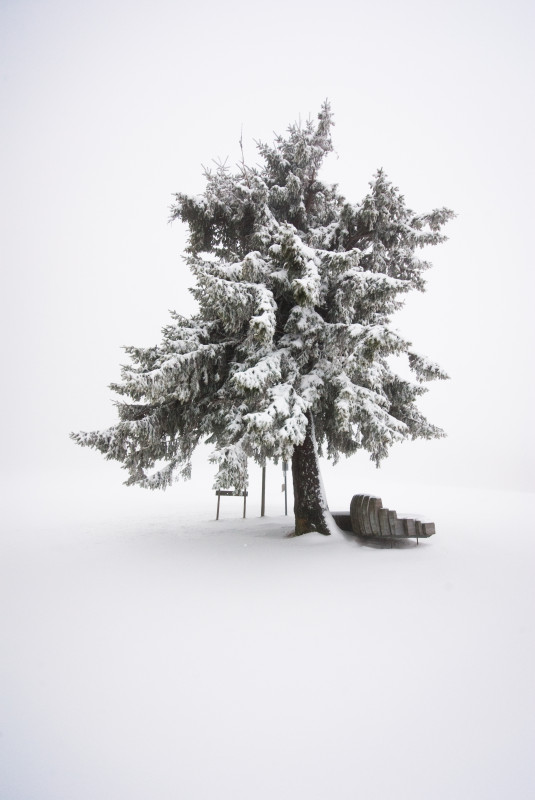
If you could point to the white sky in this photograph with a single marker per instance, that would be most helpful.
(110, 107)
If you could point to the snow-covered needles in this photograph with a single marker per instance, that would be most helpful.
(296, 287)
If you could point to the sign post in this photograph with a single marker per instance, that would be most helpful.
(263, 502)
(285, 486)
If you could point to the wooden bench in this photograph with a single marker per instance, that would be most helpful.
(368, 518)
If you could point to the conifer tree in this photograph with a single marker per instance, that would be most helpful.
(288, 354)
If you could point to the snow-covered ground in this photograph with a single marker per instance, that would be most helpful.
(151, 652)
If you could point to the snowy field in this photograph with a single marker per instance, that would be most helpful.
(151, 652)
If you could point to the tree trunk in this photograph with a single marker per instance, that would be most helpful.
(310, 507)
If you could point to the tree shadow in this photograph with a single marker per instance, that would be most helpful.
(379, 543)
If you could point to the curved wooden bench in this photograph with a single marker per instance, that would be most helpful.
(368, 518)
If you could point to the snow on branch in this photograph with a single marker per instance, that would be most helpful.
(263, 322)
(179, 375)
(306, 289)
(232, 468)
(266, 372)
(282, 423)
(365, 413)
(425, 369)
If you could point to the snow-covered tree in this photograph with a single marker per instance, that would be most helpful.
(288, 354)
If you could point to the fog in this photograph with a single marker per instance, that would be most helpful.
(150, 651)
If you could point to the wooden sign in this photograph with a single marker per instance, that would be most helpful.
(231, 493)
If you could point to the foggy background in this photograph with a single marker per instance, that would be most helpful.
(109, 108)
(147, 650)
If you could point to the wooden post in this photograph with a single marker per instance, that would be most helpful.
(263, 503)
(218, 501)
(285, 470)
(244, 502)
